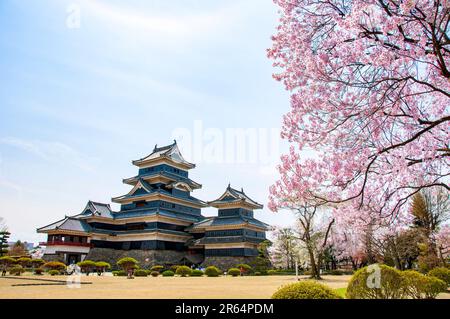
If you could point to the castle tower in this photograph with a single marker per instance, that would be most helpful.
(233, 236)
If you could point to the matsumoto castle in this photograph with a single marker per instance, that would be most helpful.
(159, 222)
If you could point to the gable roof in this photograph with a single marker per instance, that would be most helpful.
(68, 223)
(232, 195)
(97, 209)
(170, 152)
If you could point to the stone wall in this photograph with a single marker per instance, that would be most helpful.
(225, 263)
(53, 257)
(146, 258)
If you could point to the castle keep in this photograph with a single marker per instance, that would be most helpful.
(160, 222)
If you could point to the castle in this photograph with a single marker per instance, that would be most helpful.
(159, 222)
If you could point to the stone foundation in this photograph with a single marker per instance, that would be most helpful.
(225, 263)
(146, 258)
(53, 257)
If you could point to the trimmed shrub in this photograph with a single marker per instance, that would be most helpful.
(24, 262)
(441, 273)
(36, 263)
(53, 272)
(168, 273)
(305, 290)
(419, 286)
(16, 270)
(174, 268)
(197, 273)
(212, 271)
(244, 268)
(257, 273)
(271, 272)
(234, 272)
(157, 268)
(154, 273)
(119, 273)
(38, 271)
(102, 266)
(365, 285)
(184, 271)
(141, 273)
(127, 263)
(433, 287)
(87, 266)
(55, 265)
(6, 260)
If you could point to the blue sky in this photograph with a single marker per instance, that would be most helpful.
(79, 103)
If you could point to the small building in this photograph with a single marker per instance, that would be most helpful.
(159, 221)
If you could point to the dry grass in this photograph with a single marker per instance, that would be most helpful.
(160, 287)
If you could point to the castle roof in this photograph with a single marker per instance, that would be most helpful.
(169, 176)
(226, 221)
(97, 209)
(144, 189)
(233, 196)
(170, 152)
(69, 223)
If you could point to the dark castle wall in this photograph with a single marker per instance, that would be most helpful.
(146, 258)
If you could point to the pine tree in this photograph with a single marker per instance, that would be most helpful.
(4, 235)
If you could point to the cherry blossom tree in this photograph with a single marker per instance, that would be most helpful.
(370, 97)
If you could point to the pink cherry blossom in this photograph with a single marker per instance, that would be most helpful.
(370, 95)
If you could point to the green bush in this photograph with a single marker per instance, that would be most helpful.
(257, 273)
(86, 266)
(157, 268)
(54, 272)
(433, 287)
(271, 272)
(184, 271)
(391, 284)
(441, 273)
(234, 272)
(141, 273)
(38, 271)
(197, 273)
(154, 273)
(305, 290)
(119, 273)
(16, 270)
(36, 263)
(6, 260)
(168, 273)
(127, 263)
(55, 265)
(419, 286)
(212, 271)
(24, 261)
(102, 266)
(244, 267)
(174, 268)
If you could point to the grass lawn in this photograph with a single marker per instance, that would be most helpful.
(159, 287)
